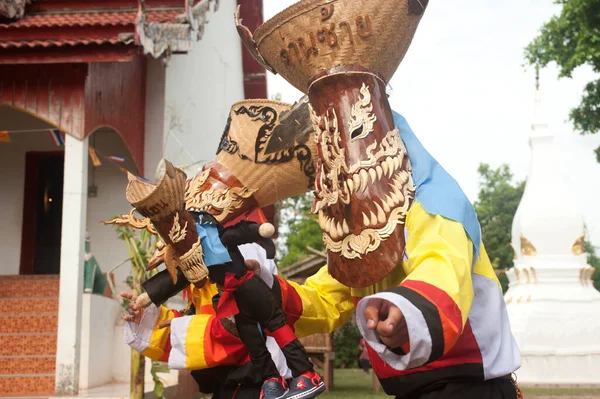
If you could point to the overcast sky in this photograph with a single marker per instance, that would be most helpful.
(466, 93)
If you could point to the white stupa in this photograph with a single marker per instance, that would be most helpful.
(553, 307)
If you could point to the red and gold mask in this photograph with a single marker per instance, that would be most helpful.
(363, 186)
(342, 52)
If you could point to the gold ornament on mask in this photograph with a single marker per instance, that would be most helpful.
(334, 163)
(337, 182)
(219, 202)
(133, 221)
(177, 234)
(362, 119)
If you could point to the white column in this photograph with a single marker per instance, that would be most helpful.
(71, 266)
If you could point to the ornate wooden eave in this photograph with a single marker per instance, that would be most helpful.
(161, 39)
(67, 31)
(13, 9)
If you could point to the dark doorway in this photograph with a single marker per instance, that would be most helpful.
(42, 213)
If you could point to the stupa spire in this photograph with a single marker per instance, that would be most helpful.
(539, 126)
(551, 296)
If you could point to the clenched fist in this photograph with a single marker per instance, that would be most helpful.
(387, 321)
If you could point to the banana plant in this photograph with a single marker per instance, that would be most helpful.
(140, 246)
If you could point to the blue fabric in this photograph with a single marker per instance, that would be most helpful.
(214, 252)
(436, 190)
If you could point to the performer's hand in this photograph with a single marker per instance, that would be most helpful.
(387, 321)
(252, 265)
(135, 312)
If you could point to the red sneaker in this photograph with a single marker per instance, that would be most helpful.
(273, 388)
(307, 385)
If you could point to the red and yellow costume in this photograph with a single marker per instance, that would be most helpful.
(454, 310)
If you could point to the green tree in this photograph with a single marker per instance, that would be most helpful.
(496, 206)
(303, 227)
(594, 261)
(345, 342)
(572, 39)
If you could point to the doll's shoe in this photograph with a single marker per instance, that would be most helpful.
(307, 385)
(273, 388)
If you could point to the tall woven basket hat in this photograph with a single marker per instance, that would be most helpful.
(157, 201)
(270, 148)
(313, 36)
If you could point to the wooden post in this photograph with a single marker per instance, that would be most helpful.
(328, 366)
(329, 363)
(187, 388)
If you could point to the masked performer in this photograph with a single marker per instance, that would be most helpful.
(398, 230)
(403, 241)
(196, 246)
(450, 332)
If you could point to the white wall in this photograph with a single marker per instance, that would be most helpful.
(201, 86)
(12, 180)
(111, 182)
(105, 358)
(98, 342)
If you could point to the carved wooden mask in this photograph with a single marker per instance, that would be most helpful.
(363, 185)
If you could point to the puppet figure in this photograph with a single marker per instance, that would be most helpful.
(196, 246)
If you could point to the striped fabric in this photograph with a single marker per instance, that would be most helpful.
(453, 305)
(145, 337)
(199, 341)
(454, 309)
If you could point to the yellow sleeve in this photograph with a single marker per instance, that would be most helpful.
(320, 305)
(437, 294)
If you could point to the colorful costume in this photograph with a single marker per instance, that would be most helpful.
(395, 225)
(195, 245)
(450, 296)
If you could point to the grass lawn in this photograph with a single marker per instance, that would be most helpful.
(355, 384)
(352, 383)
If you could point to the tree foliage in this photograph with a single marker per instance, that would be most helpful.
(345, 342)
(594, 261)
(572, 39)
(496, 206)
(303, 227)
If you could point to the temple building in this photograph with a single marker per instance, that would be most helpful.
(552, 303)
(90, 89)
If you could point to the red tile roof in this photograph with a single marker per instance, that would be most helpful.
(64, 29)
(57, 43)
(90, 19)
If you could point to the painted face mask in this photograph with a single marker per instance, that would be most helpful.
(363, 186)
(341, 53)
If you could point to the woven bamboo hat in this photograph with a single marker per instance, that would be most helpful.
(156, 201)
(312, 36)
(266, 154)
